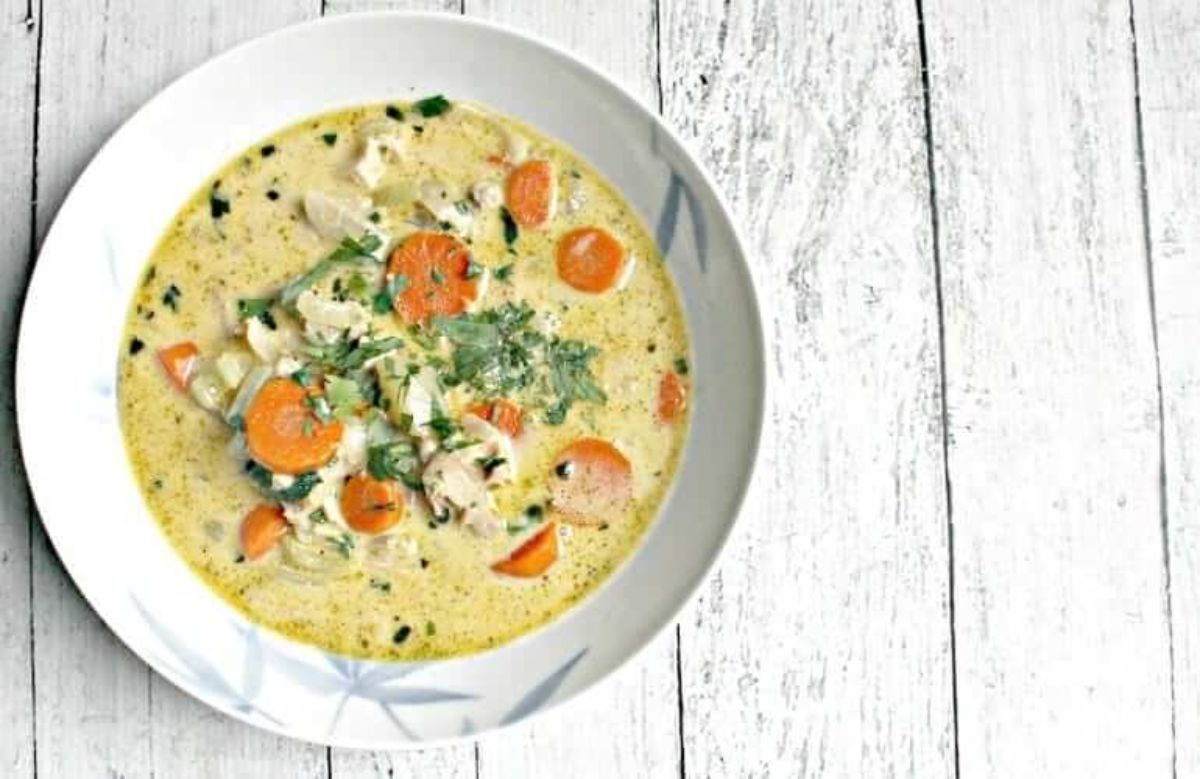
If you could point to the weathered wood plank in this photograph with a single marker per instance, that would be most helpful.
(1060, 611)
(629, 726)
(19, 31)
(1168, 46)
(100, 711)
(822, 648)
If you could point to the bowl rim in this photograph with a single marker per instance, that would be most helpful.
(740, 260)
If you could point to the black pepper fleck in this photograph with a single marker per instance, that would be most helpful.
(267, 150)
(136, 345)
(272, 194)
(402, 634)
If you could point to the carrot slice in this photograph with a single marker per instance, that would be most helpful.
(533, 557)
(672, 397)
(436, 266)
(178, 360)
(261, 530)
(590, 259)
(503, 414)
(282, 432)
(529, 193)
(371, 505)
(591, 483)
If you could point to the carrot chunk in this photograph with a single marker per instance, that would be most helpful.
(261, 530)
(672, 397)
(590, 259)
(503, 414)
(178, 360)
(529, 193)
(436, 267)
(284, 434)
(532, 558)
(591, 482)
(371, 505)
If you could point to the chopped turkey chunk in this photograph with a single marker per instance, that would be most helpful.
(336, 218)
(326, 320)
(439, 200)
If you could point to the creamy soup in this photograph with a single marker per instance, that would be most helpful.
(405, 381)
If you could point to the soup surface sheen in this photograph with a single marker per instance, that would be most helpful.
(580, 336)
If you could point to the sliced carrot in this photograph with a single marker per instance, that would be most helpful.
(436, 266)
(533, 557)
(591, 482)
(284, 434)
(178, 360)
(371, 505)
(529, 193)
(261, 529)
(590, 259)
(672, 397)
(504, 415)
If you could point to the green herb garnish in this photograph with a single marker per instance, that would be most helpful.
(681, 366)
(349, 252)
(267, 150)
(510, 226)
(171, 297)
(344, 396)
(346, 356)
(396, 460)
(432, 106)
(381, 584)
(136, 345)
(344, 544)
(402, 634)
(503, 273)
(329, 138)
(297, 490)
(257, 308)
(474, 270)
(218, 204)
(394, 113)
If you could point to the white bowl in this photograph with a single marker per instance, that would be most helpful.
(91, 261)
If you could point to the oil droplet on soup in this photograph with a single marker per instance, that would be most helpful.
(368, 405)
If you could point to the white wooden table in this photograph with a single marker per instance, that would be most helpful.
(973, 546)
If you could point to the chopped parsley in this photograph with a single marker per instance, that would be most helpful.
(401, 635)
(297, 490)
(318, 517)
(394, 113)
(396, 460)
(344, 544)
(218, 204)
(510, 227)
(503, 273)
(497, 352)
(272, 194)
(437, 276)
(257, 308)
(349, 252)
(305, 377)
(681, 366)
(474, 270)
(430, 628)
(383, 585)
(171, 297)
(267, 150)
(374, 216)
(136, 345)
(489, 464)
(435, 105)
(329, 138)
(534, 512)
(343, 395)
(385, 298)
(347, 356)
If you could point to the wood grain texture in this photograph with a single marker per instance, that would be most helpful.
(822, 648)
(19, 30)
(628, 726)
(1060, 611)
(1168, 45)
(100, 711)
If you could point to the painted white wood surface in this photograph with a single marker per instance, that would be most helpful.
(18, 63)
(823, 646)
(1060, 609)
(1168, 45)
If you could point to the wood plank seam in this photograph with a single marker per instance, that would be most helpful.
(30, 24)
(1164, 513)
(934, 227)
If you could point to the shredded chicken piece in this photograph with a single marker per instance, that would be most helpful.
(487, 194)
(326, 319)
(337, 218)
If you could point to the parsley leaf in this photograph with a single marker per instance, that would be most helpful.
(257, 308)
(395, 460)
(350, 252)
(346, 356)
(435, 105)
(218, 204)
(297, 490)
(510, 226)
(171, 297)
